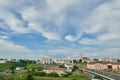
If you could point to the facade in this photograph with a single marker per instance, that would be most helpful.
(45, 60)
(63, 61)
(3, 61)
(56, 70)
(104, 66)
(109, 60)
(19, 68)
(69, 67)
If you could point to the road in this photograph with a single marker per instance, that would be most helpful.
(108, 74)
(116, 77)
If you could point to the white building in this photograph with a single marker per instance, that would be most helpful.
(104, 66)
(69, 67)
(109, 60)
(45, 60)
(56, 70)
(19, 68)
(63, 61)
(3, 61)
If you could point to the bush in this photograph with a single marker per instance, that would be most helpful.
(42, 74)
(53, 74)
(29, 77)
(75, 68)
(39, 73)
(62, 66)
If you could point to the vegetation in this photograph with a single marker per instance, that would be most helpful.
(34, 72)
(29, 77)
(53, 74)
(75, 68)
(5, 66)
(62, 66)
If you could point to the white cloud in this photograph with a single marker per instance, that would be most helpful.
(87, 41)
(4, 37)
(47, 34)
(11, 50)
(103, 22)
(109, 52)
(71, 38)
(9, 46)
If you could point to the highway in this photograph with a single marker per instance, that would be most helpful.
(114, 76)
(104, 74)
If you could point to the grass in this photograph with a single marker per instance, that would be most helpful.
(20, 75)
(29, 66)
(5, 66)
(78, 75)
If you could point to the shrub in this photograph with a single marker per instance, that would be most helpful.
(29, 77)
(39, 73)
(53, 74)
(62, 66)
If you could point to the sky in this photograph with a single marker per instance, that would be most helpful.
(61, 29)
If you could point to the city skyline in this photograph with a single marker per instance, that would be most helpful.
(59, 28)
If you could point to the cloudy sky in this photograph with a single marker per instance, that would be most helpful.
(59, 28)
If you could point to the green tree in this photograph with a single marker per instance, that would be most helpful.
(74, 61)
(12, 68)
(40, 68)
(29, 77)
(53, 74)
(42, 74)
(96, 60)
(62, 66)
(75, 68)
(39, 73)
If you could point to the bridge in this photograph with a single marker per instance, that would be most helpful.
(105, 75)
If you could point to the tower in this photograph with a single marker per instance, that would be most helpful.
(81, 57)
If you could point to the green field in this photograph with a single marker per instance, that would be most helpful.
(5, 66)
(78, 75)
(21, 75)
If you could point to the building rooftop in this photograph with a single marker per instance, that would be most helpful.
(104, 63)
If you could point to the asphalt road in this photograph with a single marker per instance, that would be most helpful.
(114, 76)
(108, 74)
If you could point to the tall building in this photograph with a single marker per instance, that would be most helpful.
(81, 57)
(45, 60)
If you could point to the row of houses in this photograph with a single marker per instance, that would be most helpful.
(48, 60)
(68, 68)
(67, 63)
(104, 66)
(56, 70)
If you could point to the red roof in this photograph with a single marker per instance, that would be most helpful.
(85, 58)
(61, 69)
(63, 60)
(104, 63)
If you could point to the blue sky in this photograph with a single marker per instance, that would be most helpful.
(59, 28)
